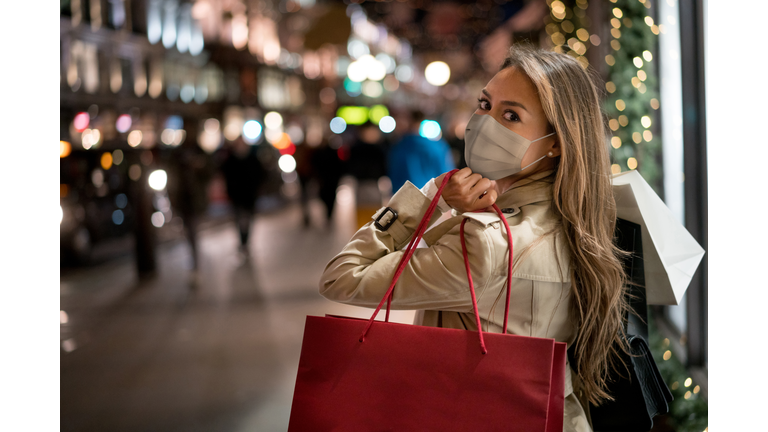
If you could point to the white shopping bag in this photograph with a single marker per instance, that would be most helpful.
(670, 253)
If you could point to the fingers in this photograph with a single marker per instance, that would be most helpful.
(486, 200)
(481, 186)
(461, 175)
(468, 191)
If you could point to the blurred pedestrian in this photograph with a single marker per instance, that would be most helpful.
(189, 172)
(418, 159)
(306, 173)
(367, 163)
(367, 157)
(244, 175)
(327, 169)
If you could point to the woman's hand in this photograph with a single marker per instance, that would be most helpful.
(468, 192)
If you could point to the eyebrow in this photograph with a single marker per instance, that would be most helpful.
(512, 103)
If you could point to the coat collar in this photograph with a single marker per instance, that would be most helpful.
(533, 189)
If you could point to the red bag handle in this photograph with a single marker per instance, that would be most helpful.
(411, 248)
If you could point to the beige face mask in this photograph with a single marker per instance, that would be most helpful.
(494, 151)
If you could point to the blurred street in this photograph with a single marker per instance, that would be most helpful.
(168, 354)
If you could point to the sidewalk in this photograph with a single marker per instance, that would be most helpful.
(218, 355)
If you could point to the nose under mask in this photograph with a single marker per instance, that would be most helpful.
(494, 151)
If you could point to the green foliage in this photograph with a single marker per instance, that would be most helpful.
(636, 39)
(685, 415)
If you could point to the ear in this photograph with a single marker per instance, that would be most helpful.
(554, 148)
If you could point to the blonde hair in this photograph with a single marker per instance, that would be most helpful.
(584, 200)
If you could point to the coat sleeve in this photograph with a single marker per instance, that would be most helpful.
(434, 278)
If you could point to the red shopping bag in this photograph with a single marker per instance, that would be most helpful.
(357, 375)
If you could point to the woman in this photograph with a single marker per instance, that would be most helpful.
(535, 147)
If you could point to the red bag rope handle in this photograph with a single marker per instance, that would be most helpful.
(410, 249)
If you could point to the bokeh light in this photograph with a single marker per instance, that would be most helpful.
(123, 123)
(437, 73)
(118, 217)
(338, 125)
(355, 115)
(158, 220)
(81, 122)
(252, 130)
(117, 157)
(404, 73)
(287, 163)
(211, 125)
(65, 148)
(377, 112)
(273, 120)
(135, 137)
(372, 89)
(430, 129)
(158, 179)
(106, 160)
(90, 138)
(387, 124)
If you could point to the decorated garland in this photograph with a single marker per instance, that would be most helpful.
(631, 85)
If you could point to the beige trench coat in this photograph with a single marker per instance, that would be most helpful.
(435, 279)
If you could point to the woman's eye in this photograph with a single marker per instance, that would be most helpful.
(483, 104)
(511, 116)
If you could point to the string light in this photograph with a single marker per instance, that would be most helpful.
(637, 138)
(647, 55)
(620, 105)
(616, 142)
(647, 136)
(623, 120)
(632, 163)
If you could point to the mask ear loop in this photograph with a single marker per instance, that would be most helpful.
(537, 160)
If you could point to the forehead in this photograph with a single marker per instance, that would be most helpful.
(513, 85)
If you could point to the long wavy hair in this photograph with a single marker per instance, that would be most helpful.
(584, 200)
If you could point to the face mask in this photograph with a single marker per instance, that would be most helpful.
(494, 151)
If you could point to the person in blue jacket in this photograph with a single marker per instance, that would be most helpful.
(416, 158)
